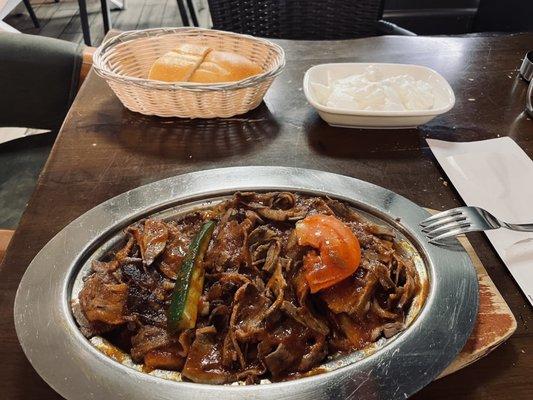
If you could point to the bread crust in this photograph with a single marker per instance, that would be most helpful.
(201, 64)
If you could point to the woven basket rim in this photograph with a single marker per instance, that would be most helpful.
(102, 69)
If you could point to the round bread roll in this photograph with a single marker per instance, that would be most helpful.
(201, 64)
(179, 64)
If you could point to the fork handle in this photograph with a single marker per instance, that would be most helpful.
(519, 227)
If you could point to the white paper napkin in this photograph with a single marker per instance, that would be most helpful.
(496, 175)
(8, 134)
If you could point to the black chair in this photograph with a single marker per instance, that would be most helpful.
(504, 16)
(303, 19)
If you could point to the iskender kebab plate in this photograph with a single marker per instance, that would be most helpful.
(256, 282)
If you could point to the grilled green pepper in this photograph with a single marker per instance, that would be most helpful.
(190, 282)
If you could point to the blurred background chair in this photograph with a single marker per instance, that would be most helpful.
(351, 18)
(504, 16)
(303, 19)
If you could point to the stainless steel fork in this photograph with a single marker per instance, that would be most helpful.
(463, 220)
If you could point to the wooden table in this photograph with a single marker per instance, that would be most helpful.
(103, 150)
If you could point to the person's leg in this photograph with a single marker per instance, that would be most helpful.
(38, 79)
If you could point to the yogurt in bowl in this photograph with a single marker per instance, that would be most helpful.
(367, 95)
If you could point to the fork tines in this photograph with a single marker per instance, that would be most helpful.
(445, 224)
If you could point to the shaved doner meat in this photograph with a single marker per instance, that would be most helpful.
(260, 286)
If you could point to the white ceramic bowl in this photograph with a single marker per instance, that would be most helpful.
(444, 97)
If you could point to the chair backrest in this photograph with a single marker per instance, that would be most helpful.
(298, 19)
(504, 16)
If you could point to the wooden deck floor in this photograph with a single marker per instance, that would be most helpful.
(61, 20)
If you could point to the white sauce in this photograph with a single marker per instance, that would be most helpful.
(373, 91)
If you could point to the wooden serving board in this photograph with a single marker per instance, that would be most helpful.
(495, 321)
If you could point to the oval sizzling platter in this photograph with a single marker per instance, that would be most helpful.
(394, 368)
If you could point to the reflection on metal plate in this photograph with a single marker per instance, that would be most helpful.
(77, 368)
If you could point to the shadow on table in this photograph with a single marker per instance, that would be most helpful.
(197, 139)
(472, 380)
(361, 143)
(23, 380)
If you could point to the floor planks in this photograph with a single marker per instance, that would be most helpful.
(61, 20)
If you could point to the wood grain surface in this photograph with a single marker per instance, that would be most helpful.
(495, 321)
(104, 150)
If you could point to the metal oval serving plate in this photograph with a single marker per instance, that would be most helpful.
(393, 369)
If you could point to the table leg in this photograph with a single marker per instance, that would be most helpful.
(105, 15)
(32, 13)
(85, 22)
(190, 5)
(183, 13)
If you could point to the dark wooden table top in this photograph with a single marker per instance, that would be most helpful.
(104, 150)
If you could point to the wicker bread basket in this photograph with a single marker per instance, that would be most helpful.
(125, 60)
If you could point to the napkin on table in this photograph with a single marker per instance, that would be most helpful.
(496, 175)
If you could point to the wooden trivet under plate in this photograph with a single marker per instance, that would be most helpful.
(495, 321)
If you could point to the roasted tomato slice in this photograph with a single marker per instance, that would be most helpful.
(339, 253)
